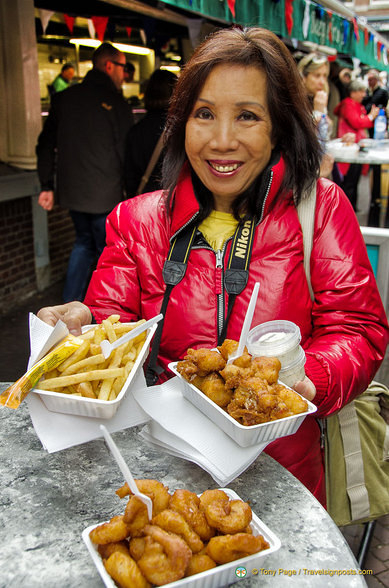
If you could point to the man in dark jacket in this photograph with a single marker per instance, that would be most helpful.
(82, 147)
(375, 93)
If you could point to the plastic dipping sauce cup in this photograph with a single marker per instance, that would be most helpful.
(279, 339)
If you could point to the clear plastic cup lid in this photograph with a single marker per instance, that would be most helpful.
(273, 337)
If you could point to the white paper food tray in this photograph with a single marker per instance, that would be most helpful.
(90, 407)
(241, 434)
(222, 575)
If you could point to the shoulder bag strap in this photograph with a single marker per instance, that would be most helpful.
(306, 213)
(347, 416)
(151, 165)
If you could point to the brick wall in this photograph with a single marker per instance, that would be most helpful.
(61, 239)
(17, 267)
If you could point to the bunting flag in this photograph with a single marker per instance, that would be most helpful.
(346, 27)
(69, 21)
(306, 19)
(366, 32)
(194, 28)
(100, 24)
(91, 29)
(45, 16)
(231, 6)
(329, 26)
(385, 57)
(356, 30)
(129, 30)
(289, 16)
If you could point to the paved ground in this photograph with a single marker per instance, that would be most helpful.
(14, 352)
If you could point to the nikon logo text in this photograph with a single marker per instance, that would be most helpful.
(243, 241)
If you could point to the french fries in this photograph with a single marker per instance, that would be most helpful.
(87, 373)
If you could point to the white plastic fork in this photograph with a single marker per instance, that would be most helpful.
(126, 471)
(107, 347)
(246, 324)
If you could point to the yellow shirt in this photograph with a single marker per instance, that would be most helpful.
(217, 228)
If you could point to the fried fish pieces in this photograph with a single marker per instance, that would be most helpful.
(200, 362)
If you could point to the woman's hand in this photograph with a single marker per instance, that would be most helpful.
(73, 314)
(320, 101)
(306, 388)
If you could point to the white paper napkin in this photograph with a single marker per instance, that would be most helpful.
(181, 429)
(43, 337)
(58, 431)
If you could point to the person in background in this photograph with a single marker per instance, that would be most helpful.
(143, 136)
(241, 150)
(314, 70)
(129, 72)
(63, 80)
(354, 119)
(375, 94)
(345, 77)
(80, 153)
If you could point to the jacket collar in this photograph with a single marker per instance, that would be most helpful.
(185, 205)
(96, 77)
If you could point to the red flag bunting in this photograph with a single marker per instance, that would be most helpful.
(289, 15)
(100, 24)
(329, 26)
(129, 29)
(356, 30)
(231, 6)
(366, 36)
(69, 20)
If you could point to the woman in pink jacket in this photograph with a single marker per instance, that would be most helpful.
(241, 149)
(353, 119)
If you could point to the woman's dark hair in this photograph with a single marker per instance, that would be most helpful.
(159, 89)
(293, 130)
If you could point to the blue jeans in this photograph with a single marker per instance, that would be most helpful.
(90, 242)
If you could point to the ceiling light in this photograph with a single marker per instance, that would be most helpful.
(134, 49)
(173, 68)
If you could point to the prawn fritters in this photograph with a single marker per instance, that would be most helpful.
(136, 547)
(187, 504)
(225, 548)
(229, 517)
(200, 562)
(209, 496)
(135, 516)
(205, 361)
(165, 558)
(214, 387)
(109, 548)
(158, 493)
(174, 522)
(112, 532)
(124, 570)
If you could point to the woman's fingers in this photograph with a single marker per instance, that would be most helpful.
(306, 388)
(73, 314)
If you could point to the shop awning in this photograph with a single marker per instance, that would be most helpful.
(302, 20)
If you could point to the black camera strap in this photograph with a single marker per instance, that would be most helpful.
(235, 279)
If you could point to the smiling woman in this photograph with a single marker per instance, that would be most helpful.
(241, 149)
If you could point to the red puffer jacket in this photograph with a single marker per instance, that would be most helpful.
(344, 332)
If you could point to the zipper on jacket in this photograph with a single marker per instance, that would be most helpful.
(219, 289)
